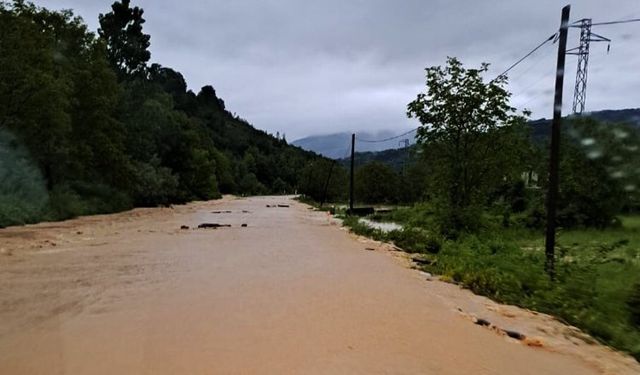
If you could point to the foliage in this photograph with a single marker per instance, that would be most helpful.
(128, 46)
(98, 130)
(634, 304)
(321, 174)
(23, 194)
(376, 183)
(598, 175)
(471, 137)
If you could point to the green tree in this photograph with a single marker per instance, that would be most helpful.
(598, 174)
(314, 177)
(469, 133)
(376, 182)
(127, 44)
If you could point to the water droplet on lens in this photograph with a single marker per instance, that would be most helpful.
(620, 134)
(595, 154)
(617, 174)
(588, 142)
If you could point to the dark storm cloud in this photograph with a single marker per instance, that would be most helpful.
(326, 66)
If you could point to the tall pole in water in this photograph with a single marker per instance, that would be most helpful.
(552, 193)
(353, 147)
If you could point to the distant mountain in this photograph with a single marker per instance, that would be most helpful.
(338, 145)
(397, 157)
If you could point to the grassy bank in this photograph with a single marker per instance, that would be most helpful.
(598, 271)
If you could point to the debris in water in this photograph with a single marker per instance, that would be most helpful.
(213, 226)
(515, 335)
(370, 248)
(244, 225)
(482, 322)
(184, 227)
(283, 205)
(535, 342)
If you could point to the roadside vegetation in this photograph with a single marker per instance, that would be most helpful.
(470, 199)
(597, 284)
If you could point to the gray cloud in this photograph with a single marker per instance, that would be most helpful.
(317, 67)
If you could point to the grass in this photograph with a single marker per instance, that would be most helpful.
(597, 287)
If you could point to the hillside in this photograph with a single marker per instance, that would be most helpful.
(541, 128)
(88, 125)
(338, 145)
(397, 157)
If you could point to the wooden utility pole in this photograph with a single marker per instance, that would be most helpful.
(326, 184)
(552, 193)
(353, 148)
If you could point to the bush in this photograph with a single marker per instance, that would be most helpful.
(154, 185)
(451, 222)
(23, 193)
(414, 240)
(633, 303)
(376, 183)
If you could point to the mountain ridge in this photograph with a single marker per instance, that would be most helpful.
(338, 145)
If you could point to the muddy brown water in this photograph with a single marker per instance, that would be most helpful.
(291, 293)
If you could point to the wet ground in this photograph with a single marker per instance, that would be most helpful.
(290, 293)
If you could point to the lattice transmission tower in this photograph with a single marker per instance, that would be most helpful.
(582, 51)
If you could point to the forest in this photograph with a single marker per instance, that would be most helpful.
(89, 125)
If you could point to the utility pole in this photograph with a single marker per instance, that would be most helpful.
(353, 152)
(552, 193)
(405, 144)
(326, 184)
(586, 37)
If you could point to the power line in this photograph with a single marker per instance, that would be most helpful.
(549, 39)
(537, 82)
(387, 139)
(540, 59)
(616, 22)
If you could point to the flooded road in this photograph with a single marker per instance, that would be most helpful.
(290, 293)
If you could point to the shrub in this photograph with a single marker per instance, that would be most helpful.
(414, 240)
(23, 193)
(633, 302)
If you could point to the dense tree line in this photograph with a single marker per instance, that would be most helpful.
(88, 125)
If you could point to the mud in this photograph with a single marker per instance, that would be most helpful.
(292, 293)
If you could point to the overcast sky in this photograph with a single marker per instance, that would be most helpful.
(316, 67)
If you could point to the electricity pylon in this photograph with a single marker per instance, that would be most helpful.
(586, 37)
